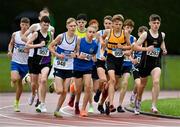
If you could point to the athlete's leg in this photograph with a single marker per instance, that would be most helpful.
(42, 86)
(16, 80)
(87, 92)
(124, 85)
(155, 73)
(78, 84)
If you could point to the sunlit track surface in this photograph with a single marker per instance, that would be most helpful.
(29, 117)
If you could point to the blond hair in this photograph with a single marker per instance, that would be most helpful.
(70, 20)
(118, 17)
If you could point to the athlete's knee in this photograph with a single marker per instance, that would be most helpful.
(43, 80)
(156, 82)
(102, 79)
(124, 83)
(112, 81)
(59, 91)
(15, 79)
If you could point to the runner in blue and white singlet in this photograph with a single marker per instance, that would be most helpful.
(19, 54)
(63, 49)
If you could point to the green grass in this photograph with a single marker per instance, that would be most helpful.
(165, 106)
(169, 76)
(170, 72)
(5, 75)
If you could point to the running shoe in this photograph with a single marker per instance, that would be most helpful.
(120, 109)
(16, 106)
(83, 113)
(112, 108)
(101, 109)
(57, 114)
(31, 99)
(154, 109)
(91, 109)
(41, 108)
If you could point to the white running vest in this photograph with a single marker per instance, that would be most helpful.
(65, 48)
(19, 56)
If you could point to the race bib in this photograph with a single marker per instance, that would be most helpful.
(117, 52)
(88, 56)
(43, 51)
(21, 48)
(154, 53)
(61, 62)
(138, 59)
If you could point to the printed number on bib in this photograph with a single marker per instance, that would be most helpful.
(61, 62)
(138, 59)
(21, 48)
(88, 56)
(117, 52)
(154, 53)
(43, 51)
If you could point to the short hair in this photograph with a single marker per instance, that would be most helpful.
(129, 22)
(108, 17)
(25, 20)
(90, 27)
(154, 17)
(118, 17)
(45, 19)
(92, 21)
(69, 20)
(142, 28)
(44, 10)
(81, 16)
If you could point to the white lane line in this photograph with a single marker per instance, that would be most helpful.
(16, 124)
(30, 121)
(69, 114)
(110, 121)
(10, 106)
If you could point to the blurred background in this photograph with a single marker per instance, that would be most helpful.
(60, 10)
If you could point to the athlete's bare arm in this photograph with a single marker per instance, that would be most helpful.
(127, 39)
(104, 37)
(30, 44)
(52, 45)
(11, 45)
(31, 29)
(163, 45)
(137, 46)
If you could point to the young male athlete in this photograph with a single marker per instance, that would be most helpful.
(152, 44)
(19, 59)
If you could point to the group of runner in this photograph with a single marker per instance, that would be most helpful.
(87, 58)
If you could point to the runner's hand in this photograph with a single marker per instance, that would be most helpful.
(150, 48)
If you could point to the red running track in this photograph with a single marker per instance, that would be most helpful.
(29, 117)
